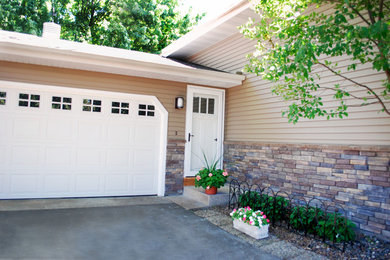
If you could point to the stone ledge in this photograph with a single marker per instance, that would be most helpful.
(354, 147)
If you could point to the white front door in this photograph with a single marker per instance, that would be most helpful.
(204, 128)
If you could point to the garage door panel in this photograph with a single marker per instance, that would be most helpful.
(57, 184)
(3, 157)
(89, 157)
(58, 157)
(3, 128)
(49, 152)
(26, 156)
(120, 135)
(90, 132)
(145, 136)
(87, 183)
(24, 184)
(143, 183)
(119, 158)
(115, 183)
(60, 130)
(143, 159)
(27, 127)
(3, 184)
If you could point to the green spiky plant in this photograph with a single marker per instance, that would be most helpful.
(209, 176)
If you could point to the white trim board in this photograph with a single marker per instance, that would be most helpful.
(30, 49)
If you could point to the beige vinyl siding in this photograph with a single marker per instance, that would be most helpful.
(165, 91)
(253, 113)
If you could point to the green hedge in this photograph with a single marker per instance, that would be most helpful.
(312, 220)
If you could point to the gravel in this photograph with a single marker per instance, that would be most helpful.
(289, 245)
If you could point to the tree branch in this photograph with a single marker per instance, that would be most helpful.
(359, 14)
(370, 14)
(362, 98)
(364, 104)
(381, 3)
(360, 85)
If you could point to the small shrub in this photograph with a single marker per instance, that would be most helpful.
(274, 210)
(337, 228)
(312, 220)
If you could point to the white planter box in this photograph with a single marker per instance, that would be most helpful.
(253, 231)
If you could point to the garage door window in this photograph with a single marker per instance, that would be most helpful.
(64, 103)
(120, 108)
(145, 110)
(92, 105)
(3, 97)
(29, 100)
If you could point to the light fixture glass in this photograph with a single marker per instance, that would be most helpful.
(179, 102)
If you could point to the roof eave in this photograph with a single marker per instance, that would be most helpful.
(24, 53)
(174, 48)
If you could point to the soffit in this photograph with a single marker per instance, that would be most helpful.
(210, 33)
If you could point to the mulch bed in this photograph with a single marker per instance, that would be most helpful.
(365, 247)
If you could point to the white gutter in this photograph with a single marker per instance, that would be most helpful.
(16, 47)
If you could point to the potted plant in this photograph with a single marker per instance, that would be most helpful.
(252, 223)
(210, 178)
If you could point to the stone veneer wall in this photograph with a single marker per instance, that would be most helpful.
(358, 177)
(174, 167)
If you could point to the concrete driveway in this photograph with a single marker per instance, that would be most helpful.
(148, 231)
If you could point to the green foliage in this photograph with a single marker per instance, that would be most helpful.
(302, 218)
(274, 210)
(309, 219)
(209, 176)
(143, 25)
(25, 16)
(149, 26)
(86, 20)
(295, 41)
(336, 228)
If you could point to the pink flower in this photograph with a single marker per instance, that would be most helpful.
(267, 220)
(208, 187)
(244, 218)
(250, 222)
(198, 178)
(210, 174)
(225, 174)
(264, 216)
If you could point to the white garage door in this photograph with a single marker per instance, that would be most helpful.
(64, 142)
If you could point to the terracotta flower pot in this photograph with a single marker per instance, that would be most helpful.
(211, 191)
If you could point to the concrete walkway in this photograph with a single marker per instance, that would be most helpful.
(144, 228)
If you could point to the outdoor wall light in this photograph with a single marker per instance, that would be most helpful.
(179, 102)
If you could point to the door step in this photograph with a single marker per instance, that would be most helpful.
(189, 181)
(197, 194)
(195, 198)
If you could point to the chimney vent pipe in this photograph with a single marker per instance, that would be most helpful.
(51, 31)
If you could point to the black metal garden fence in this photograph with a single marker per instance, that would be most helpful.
(319, 218)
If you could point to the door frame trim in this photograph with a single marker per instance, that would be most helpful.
(163, 131)
(191, 89)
